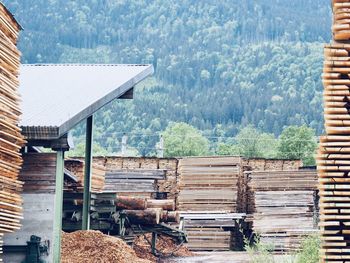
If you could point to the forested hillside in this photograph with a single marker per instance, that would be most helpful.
(219, 65)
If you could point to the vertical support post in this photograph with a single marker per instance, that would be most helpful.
(154, 242)
(161, 147)
(87, 174)
(124, 144)
(58, 206)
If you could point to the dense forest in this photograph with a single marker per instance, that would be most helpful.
(219, 65)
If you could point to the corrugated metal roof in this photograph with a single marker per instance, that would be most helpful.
(63, 95)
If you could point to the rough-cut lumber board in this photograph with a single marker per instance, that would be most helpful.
(11, 140)
(283, 206)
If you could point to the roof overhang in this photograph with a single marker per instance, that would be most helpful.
(58, 97)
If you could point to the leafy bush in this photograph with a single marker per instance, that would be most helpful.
(310, 248)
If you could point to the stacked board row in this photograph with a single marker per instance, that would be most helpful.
(77, 167)
(341, 20)
(11, 140)
(333, 158)
(284, 207)
(209, 184)
(210, 188)
(212, 231)
(133, 182)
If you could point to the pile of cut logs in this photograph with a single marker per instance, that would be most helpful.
(11, 139)
(284, 207)
(333, 160)
(97, 175)
(147, 211)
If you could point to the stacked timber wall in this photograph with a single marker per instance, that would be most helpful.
(38, 174)
(334, 152)
(213, 194)
(282, 207)
(11, 139)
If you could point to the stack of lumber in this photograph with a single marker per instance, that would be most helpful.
(38, 172)
(98, 172)
(11, 140)
(341, 22)
(210, 187)
(166, 186)
(210, 183)
(211, 231)
(133, 182)
(283, 206)
(333, 159)
(261, 164)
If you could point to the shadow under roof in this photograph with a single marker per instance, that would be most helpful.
(61, 96)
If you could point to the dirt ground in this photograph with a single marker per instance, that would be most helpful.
(219, 257)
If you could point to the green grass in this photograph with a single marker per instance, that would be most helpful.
(263, 253)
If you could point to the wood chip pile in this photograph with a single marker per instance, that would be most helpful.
(97, 175)
(283, 206)
(11, 140)
(166, 247)
(333, 160)
(93, 246)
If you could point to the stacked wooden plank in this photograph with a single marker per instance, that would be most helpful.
(166, 187)
(38, 172)
(341, 25)
(283, 206)
(211, 231)
(133, 182)
(333, 159)
(11, 139)
(210, 187)
(97, 174)
(210, 183)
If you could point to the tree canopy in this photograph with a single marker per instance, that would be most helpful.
(181, 139)
(219, 65)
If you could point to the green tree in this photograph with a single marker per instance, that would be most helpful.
(181, 139)
(250, 142)
(79, 150)
(298, 143)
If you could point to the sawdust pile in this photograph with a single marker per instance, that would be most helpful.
(95, 247)
(165, 245)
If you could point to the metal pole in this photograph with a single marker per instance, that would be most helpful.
(154, 243)
(87, 174)
(124, 145)
(58, 206)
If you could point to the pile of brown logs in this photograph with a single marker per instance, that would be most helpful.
(147, 211)
(97, 175)
(333, 158)
(11, 139)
